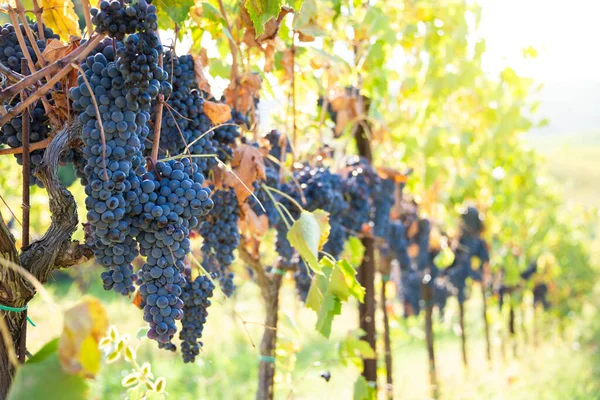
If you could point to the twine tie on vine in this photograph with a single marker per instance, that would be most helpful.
(17, 309)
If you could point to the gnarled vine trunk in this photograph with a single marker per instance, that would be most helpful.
(35, 263)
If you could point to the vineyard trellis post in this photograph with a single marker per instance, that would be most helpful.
(366, 272)
(463, 334)
(427, 290)
(486, 323)
(385, 274)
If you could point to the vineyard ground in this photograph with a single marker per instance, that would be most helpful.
(558, 369)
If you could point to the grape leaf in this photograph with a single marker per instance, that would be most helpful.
(362, 390)
(60, 16)
(43, 378)
(308, 235)
(218, 113)
(262, 11)
(328, 290)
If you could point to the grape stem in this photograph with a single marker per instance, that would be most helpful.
(158, 121)
(287, 196)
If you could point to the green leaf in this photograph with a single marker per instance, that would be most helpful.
(210, 12)
(355, 250)
(45, 379)
(355, 289)
(335, 284)
(316, 292)
(308, 234)
(173, 12)
(362, 390)
(46, 351)
(261, 11)
(330, 307)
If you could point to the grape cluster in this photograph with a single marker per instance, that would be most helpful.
(278, 143)
(357, 193)
(111, 169)
(172, 200)
(383, 200)
(410, 291)
(398, 244)
(540, 293)
(10, 50)
(184, 122)
(196, 299)
(224, 137)
(422, 241)
(11, 134)
(469, 245)
(221, 236)
(118, 18)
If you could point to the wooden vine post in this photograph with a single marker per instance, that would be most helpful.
(385, 276)
(463, 335)
(366, 272)
(486, 323)
(511, 327)
(427, 291)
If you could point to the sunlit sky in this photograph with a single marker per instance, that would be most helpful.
(566, 34)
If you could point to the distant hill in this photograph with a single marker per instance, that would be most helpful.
(574, 161)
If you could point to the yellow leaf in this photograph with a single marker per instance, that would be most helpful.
(60, 16)
(84, 327)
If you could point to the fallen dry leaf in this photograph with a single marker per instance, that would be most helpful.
(218, 113)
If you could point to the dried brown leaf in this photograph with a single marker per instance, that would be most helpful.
(240, 94)
(55, 49)
(269, 57)
(248, 166)
(253, 224)
(218, 113)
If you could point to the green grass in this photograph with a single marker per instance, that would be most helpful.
(227, 368)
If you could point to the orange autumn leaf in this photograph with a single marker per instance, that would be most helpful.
(218, 113)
